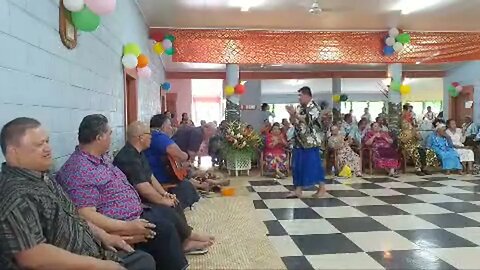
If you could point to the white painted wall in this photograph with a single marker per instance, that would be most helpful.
(41, 78)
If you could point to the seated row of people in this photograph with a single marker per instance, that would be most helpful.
(121, 206)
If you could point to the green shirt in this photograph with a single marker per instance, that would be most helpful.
(35, 210)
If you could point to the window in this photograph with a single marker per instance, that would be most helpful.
(375, 108)
(358, 108)
(207, 100)
(281, 112)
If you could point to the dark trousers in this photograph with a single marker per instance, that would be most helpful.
(186, 193)
(423, 156)
(175, 216)
(166, 248)
(137, 260)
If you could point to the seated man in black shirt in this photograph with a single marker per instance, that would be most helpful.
(133, 163)
(39, 225)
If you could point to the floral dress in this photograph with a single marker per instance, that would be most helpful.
(275, 156)
(420, 156)
(345, 155)
(384, 155)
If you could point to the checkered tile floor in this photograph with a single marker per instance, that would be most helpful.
(375, 223)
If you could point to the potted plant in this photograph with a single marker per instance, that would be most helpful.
(240, 147)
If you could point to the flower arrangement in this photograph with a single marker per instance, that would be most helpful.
(239, 139)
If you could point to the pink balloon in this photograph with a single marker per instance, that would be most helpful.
(145, 72)
(459, 88)
(101, 7)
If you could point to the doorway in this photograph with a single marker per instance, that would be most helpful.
(131, 97)
(171, 103)
(461, 105)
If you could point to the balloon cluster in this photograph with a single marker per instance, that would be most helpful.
(86, 13)
(395, 42)
(454, 89)
(397, 86)
(339, 98)
(239, 89)
(166, 86)
(166, 46)
(133, 58)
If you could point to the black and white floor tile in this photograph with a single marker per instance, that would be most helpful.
(375, 223)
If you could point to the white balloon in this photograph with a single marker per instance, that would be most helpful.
(167, 44)
(398, 47)
(459, 88)
(74, 5)
(393, 32)
(145, 72)
(129, 61)
(390, 41)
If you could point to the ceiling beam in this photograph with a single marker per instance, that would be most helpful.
(265, 75)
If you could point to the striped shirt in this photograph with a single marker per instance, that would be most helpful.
(35, 210)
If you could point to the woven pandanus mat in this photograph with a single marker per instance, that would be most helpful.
(241, 241)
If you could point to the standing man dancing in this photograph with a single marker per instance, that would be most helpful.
(307, 164)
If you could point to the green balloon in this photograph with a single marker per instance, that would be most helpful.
(454, 94)
(85, 20)
(452, 89)
(132, 48)
(395, 86)
(170, 37)
(343, 97)
(170, 51)
(403, 38)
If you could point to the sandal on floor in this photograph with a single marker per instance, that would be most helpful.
(198, 251)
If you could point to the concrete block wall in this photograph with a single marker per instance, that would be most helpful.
(41, 78)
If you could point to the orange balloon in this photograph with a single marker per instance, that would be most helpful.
(142, 61)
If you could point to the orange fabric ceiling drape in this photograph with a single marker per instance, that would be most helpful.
(293, 47)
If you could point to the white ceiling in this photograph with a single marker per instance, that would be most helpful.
(423, 15)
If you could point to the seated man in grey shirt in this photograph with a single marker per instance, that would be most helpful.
(189, 139)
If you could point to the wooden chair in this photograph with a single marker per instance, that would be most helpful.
(366, 155)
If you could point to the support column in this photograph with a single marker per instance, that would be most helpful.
(336, 90)
(232, 110)
(394, 99)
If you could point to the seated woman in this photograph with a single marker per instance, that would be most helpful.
(457, 137)
(385, 156)
(345, 155)
(410, 140)
(274, 154)
(443, 147)
(470, 130)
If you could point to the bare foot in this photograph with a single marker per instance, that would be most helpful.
(294, 194)
(320, 192)
(202, 237)
(190, 245)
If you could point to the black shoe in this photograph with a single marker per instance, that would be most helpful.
(420, 173)
(426, 172)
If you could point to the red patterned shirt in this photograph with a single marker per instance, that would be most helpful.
(90, 181)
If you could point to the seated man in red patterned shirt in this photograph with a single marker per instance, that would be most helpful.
(103, 196)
